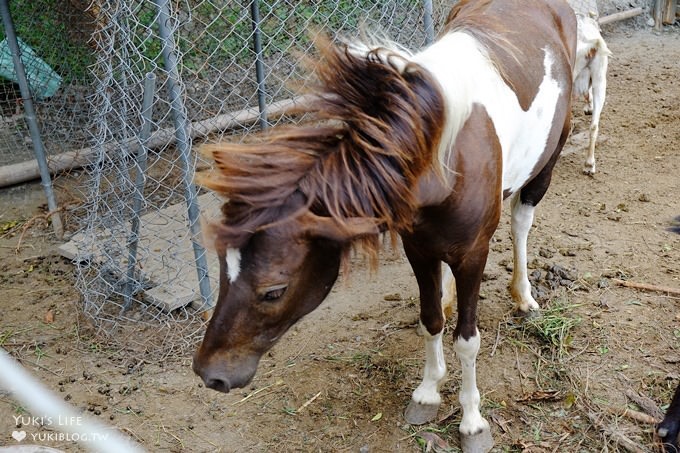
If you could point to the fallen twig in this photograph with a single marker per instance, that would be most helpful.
(252, 394)
(646, 404)
(30, 223)
(646, 286)
(498, 339)
(617, 436)
(633, 415)
(620, 16)
(309, 401)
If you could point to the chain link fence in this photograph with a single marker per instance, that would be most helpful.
(141, 84)
(167, 77)
(54, 39)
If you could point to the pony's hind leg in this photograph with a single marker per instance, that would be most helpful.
(523, 205)
(599, 89)
(520, 288)
(426, 398)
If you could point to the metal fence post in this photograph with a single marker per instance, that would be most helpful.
(31, 119)
(183, 139)
(428, 12)
(140, 179)
(259, 65)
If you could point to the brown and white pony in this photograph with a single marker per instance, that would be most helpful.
(424, 145)
(590, 78)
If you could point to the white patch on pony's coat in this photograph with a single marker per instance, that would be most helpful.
(472, 421)
(233, 264)
(467, 76)
(435, 370)
(444, 60)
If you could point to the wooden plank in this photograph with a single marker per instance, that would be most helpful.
(669, 11)
(77, 250)
(658, 14)
(165, 253)
(620, 16)
(170, 297)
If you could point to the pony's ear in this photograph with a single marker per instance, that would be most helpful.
(332, 229)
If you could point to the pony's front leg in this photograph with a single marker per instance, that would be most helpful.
(426, 398)
(475, 433)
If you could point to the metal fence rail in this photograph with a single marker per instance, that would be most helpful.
(142, 82)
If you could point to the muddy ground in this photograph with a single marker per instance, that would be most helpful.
(340, 379)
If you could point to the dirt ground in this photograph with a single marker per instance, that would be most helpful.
(340, 379)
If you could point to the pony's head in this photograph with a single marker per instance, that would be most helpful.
(269, 279)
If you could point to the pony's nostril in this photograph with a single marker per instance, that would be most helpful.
(221, 385)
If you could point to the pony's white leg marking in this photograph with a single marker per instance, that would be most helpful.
(589, 164)
(520, 288)
(233, 264)
(448, 287)
(435, 371)
(466, 350)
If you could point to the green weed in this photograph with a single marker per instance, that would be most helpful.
(554, 326)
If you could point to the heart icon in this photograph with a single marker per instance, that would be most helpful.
(19, 435)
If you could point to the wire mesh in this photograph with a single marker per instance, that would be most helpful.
(133, 244)
(213, 41)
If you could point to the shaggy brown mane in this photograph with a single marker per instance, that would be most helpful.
(378, 131)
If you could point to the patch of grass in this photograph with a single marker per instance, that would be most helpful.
(372, 363)
(289, 410)
(554, 326)
(39, 353)
(436, 438)
(225, 32)
(19, 409)
(5, 335)
(56, 30)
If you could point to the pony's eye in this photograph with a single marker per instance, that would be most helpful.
(273, 293)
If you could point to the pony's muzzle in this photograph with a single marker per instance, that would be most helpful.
(213, 377)
(223, 375)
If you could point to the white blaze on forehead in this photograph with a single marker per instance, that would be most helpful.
(233, 264)
(467, 76)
